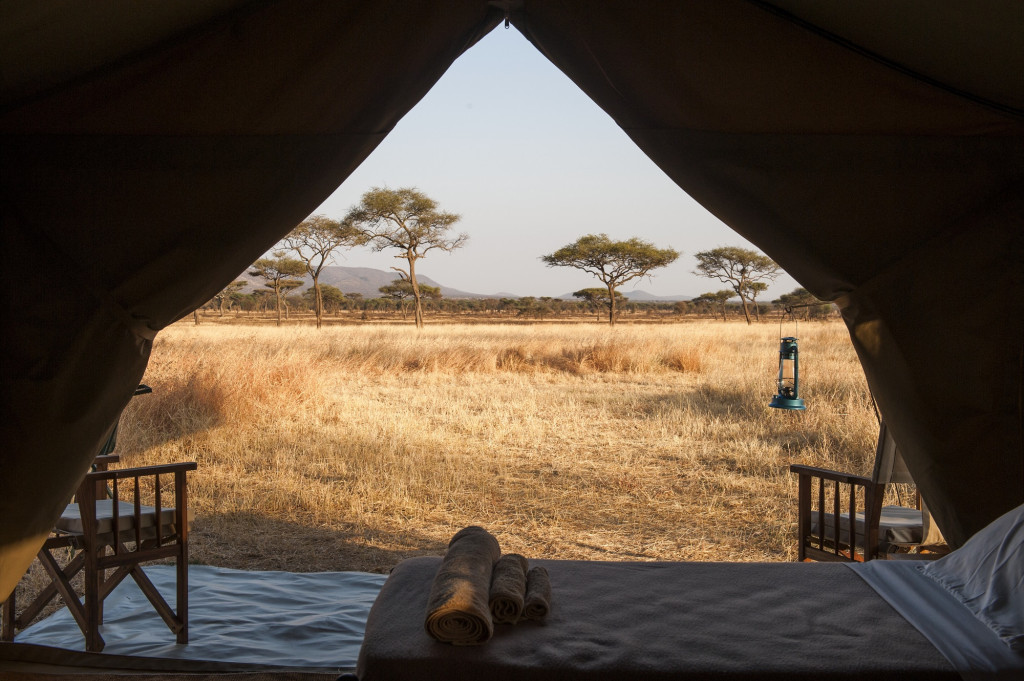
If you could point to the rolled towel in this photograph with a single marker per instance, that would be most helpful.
(508, 588)
(538, 594)
(457, 608)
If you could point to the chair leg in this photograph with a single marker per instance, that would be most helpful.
(93, 641)
(62, 582)
(182, 587)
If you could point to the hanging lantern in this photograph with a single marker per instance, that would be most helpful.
(788, 396)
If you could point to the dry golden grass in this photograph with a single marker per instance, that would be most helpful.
(354, 447)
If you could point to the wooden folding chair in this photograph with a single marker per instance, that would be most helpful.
(841, 517)
(113, 533)
(113, 537)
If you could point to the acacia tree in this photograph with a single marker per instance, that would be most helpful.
(738, 267)
(613, 262)
(409, 221)
(802, 298)
(331, 298)
(287, 286)
(719, 299)
(400, 290)
(753, 290)
(227, 292)
(597, 297)
(314, 241)
(276, 271)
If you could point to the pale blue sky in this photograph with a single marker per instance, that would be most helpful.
(530, 163)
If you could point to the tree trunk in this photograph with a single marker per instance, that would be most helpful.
(318, 301)
(746, 312)
(415, 292)
(611, 305)
(195, 316)
(277, 291)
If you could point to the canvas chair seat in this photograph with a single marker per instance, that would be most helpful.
(71, 519)
(896, 525)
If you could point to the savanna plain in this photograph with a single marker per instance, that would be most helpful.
(353, 447)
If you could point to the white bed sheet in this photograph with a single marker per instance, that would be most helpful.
(973, 649)
(969, 604)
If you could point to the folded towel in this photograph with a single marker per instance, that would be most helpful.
(457, 609)
(508, 588)
(538, 594)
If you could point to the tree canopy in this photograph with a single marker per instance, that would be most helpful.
(314, 241)
(802, 298)
(612, 262)
(738, 267)
(598, 296)
(277, 272)
(717, 298)
(401, 289)
(226, 293)
(409, 221)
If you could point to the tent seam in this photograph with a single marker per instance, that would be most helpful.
(888, 63)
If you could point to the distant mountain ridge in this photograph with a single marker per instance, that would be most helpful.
(640, 297)
(367, 282)
(644, 296)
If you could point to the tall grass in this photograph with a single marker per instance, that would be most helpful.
(353, 447)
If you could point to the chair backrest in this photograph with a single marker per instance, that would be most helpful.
(889, 464)
(890, 468)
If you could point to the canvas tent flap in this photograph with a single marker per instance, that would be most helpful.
(150, 178)
(976, 49)
(876, 188)
(156, 152)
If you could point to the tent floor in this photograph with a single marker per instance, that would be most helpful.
(274, 625)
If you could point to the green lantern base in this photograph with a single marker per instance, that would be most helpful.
(780, 402)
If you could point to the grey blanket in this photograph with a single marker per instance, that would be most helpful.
(663, 621)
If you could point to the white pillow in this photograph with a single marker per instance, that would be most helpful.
(987, 575)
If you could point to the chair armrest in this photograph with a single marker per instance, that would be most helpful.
(104, 460)
(812, 471)
(140, 471)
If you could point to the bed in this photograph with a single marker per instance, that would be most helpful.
(726, 621)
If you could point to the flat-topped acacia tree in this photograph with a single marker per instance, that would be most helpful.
(598, 297)
(314, 241)
(407, 220)
(401, 289)
(277, 272)
(719, 299)
(738, 267)
(613, 262)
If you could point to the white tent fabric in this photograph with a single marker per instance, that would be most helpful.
(875, 150)
(237, 619)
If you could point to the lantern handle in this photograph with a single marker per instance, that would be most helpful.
(788, 310)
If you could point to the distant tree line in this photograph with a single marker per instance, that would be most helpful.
(338, 304)
(410, 223)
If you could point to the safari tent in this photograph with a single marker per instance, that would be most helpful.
(151, 151)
